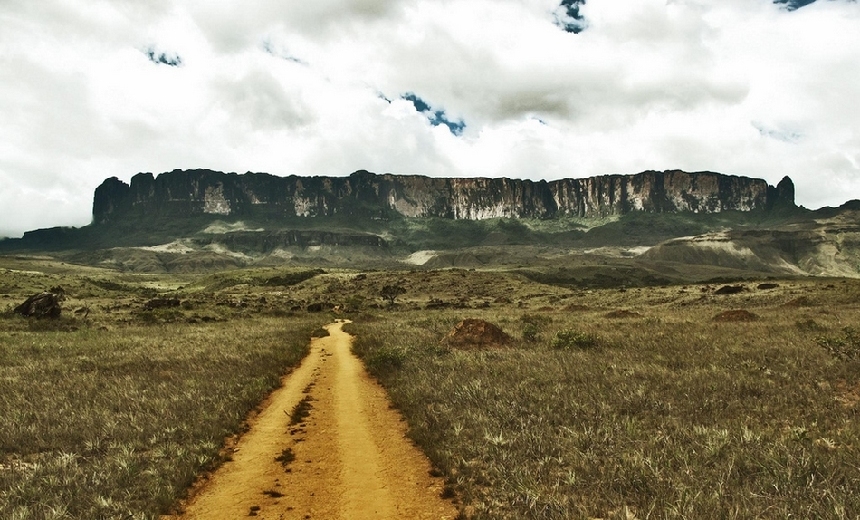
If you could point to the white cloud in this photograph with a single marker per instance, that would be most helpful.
(294, 88)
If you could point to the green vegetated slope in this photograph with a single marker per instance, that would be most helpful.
(647, 247)
(634, 228)
(430, 232)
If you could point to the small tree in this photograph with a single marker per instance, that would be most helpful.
(391, 292)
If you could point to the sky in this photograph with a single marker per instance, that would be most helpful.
(537, 89)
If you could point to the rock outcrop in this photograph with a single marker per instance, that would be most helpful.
(260, 195)
(43, 305)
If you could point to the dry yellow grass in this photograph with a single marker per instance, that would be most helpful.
(659, 414)
(609, 403)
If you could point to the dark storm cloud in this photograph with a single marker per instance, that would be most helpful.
(436, 117)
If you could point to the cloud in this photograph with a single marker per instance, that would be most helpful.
(436, 117)
(260, 101)
(163, 58)
(233, 26)
(569, 17)
(764, 89)
(784, 133)
(792, 5)
(278, 51)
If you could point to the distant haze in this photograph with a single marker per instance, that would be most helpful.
(538, 89)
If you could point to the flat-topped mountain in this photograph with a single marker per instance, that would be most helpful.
(651, 227)
(260, 195)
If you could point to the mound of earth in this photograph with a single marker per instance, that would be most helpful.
(472, 333)
(730, 289)
(736, 315)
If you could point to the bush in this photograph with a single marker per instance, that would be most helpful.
(531, 332)
(568, 339)
(533, 325)
(845, 348)
(386, 359)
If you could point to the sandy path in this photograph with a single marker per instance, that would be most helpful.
(352, 459)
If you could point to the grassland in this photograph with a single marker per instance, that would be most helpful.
(607, 403)
(112, 413)
(650, 409)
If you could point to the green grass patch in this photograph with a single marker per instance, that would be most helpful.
(320, 333)
(568, 339)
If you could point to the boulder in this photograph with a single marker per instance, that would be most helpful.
(43, 305)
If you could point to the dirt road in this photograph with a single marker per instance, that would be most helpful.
(351, 457)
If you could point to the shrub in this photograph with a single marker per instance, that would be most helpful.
(531, 332)
(533, 324)
(536, 319)
(386, 359)
(809, 325)
(568, 339)
(845, 348)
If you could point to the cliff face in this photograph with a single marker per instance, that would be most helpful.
(200, 192)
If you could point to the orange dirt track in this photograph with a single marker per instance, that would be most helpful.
(352, 458)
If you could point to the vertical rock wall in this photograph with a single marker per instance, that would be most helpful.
(194, 192)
